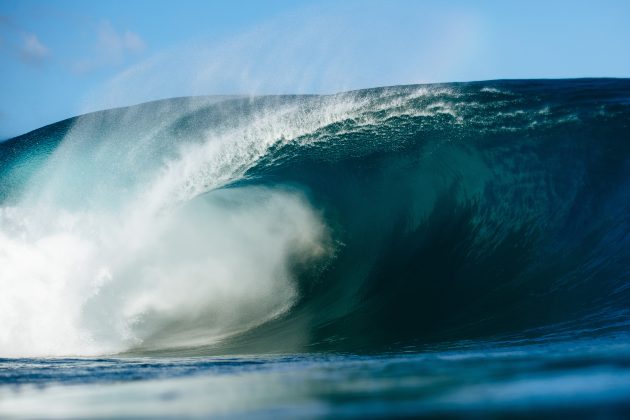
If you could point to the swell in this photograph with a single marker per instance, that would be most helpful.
(425, 214)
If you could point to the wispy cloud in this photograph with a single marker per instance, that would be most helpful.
(32, 51)
(112, 47)
(115, 44)
(25, 45)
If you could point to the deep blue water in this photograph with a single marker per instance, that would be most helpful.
(458, 249)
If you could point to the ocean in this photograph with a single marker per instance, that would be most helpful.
(450, 250)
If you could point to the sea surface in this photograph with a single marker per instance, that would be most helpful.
(450, 250)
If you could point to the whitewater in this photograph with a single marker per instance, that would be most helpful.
(408, 231)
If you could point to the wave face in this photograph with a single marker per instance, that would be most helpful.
(365, 221)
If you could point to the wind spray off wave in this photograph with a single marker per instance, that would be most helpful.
(365, 220)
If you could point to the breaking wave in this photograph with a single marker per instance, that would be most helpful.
(368, 220)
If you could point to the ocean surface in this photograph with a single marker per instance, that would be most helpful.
(450, 250)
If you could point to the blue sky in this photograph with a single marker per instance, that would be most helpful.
(62, 58)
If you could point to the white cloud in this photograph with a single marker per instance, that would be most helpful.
(112, 47)
(115, 44)
(32, 51)
(22, 44)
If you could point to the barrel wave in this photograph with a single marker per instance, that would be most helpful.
(374, 220)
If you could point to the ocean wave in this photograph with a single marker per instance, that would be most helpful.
(376, 219)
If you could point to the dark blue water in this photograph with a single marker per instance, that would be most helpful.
(456, 249)
(584, 378)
